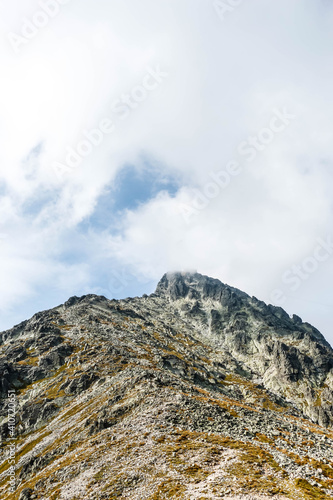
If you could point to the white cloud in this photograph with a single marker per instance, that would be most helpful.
(224, 81)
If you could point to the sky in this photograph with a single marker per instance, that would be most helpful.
(138, 138)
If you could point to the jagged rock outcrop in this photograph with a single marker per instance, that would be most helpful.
(291, 357)
(196, 391)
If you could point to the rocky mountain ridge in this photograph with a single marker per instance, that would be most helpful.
(291, 358)
(195, 391)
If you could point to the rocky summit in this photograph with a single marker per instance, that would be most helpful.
(197, 391)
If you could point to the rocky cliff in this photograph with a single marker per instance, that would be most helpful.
(195, 391)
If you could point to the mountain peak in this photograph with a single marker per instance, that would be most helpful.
(192, 285)
(216, 307)
(213, 387)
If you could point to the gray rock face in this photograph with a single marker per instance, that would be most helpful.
(289, 355)
(196, 391)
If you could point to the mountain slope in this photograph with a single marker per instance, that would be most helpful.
(196, 391)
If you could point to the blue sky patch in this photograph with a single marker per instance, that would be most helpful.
(132, 187)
